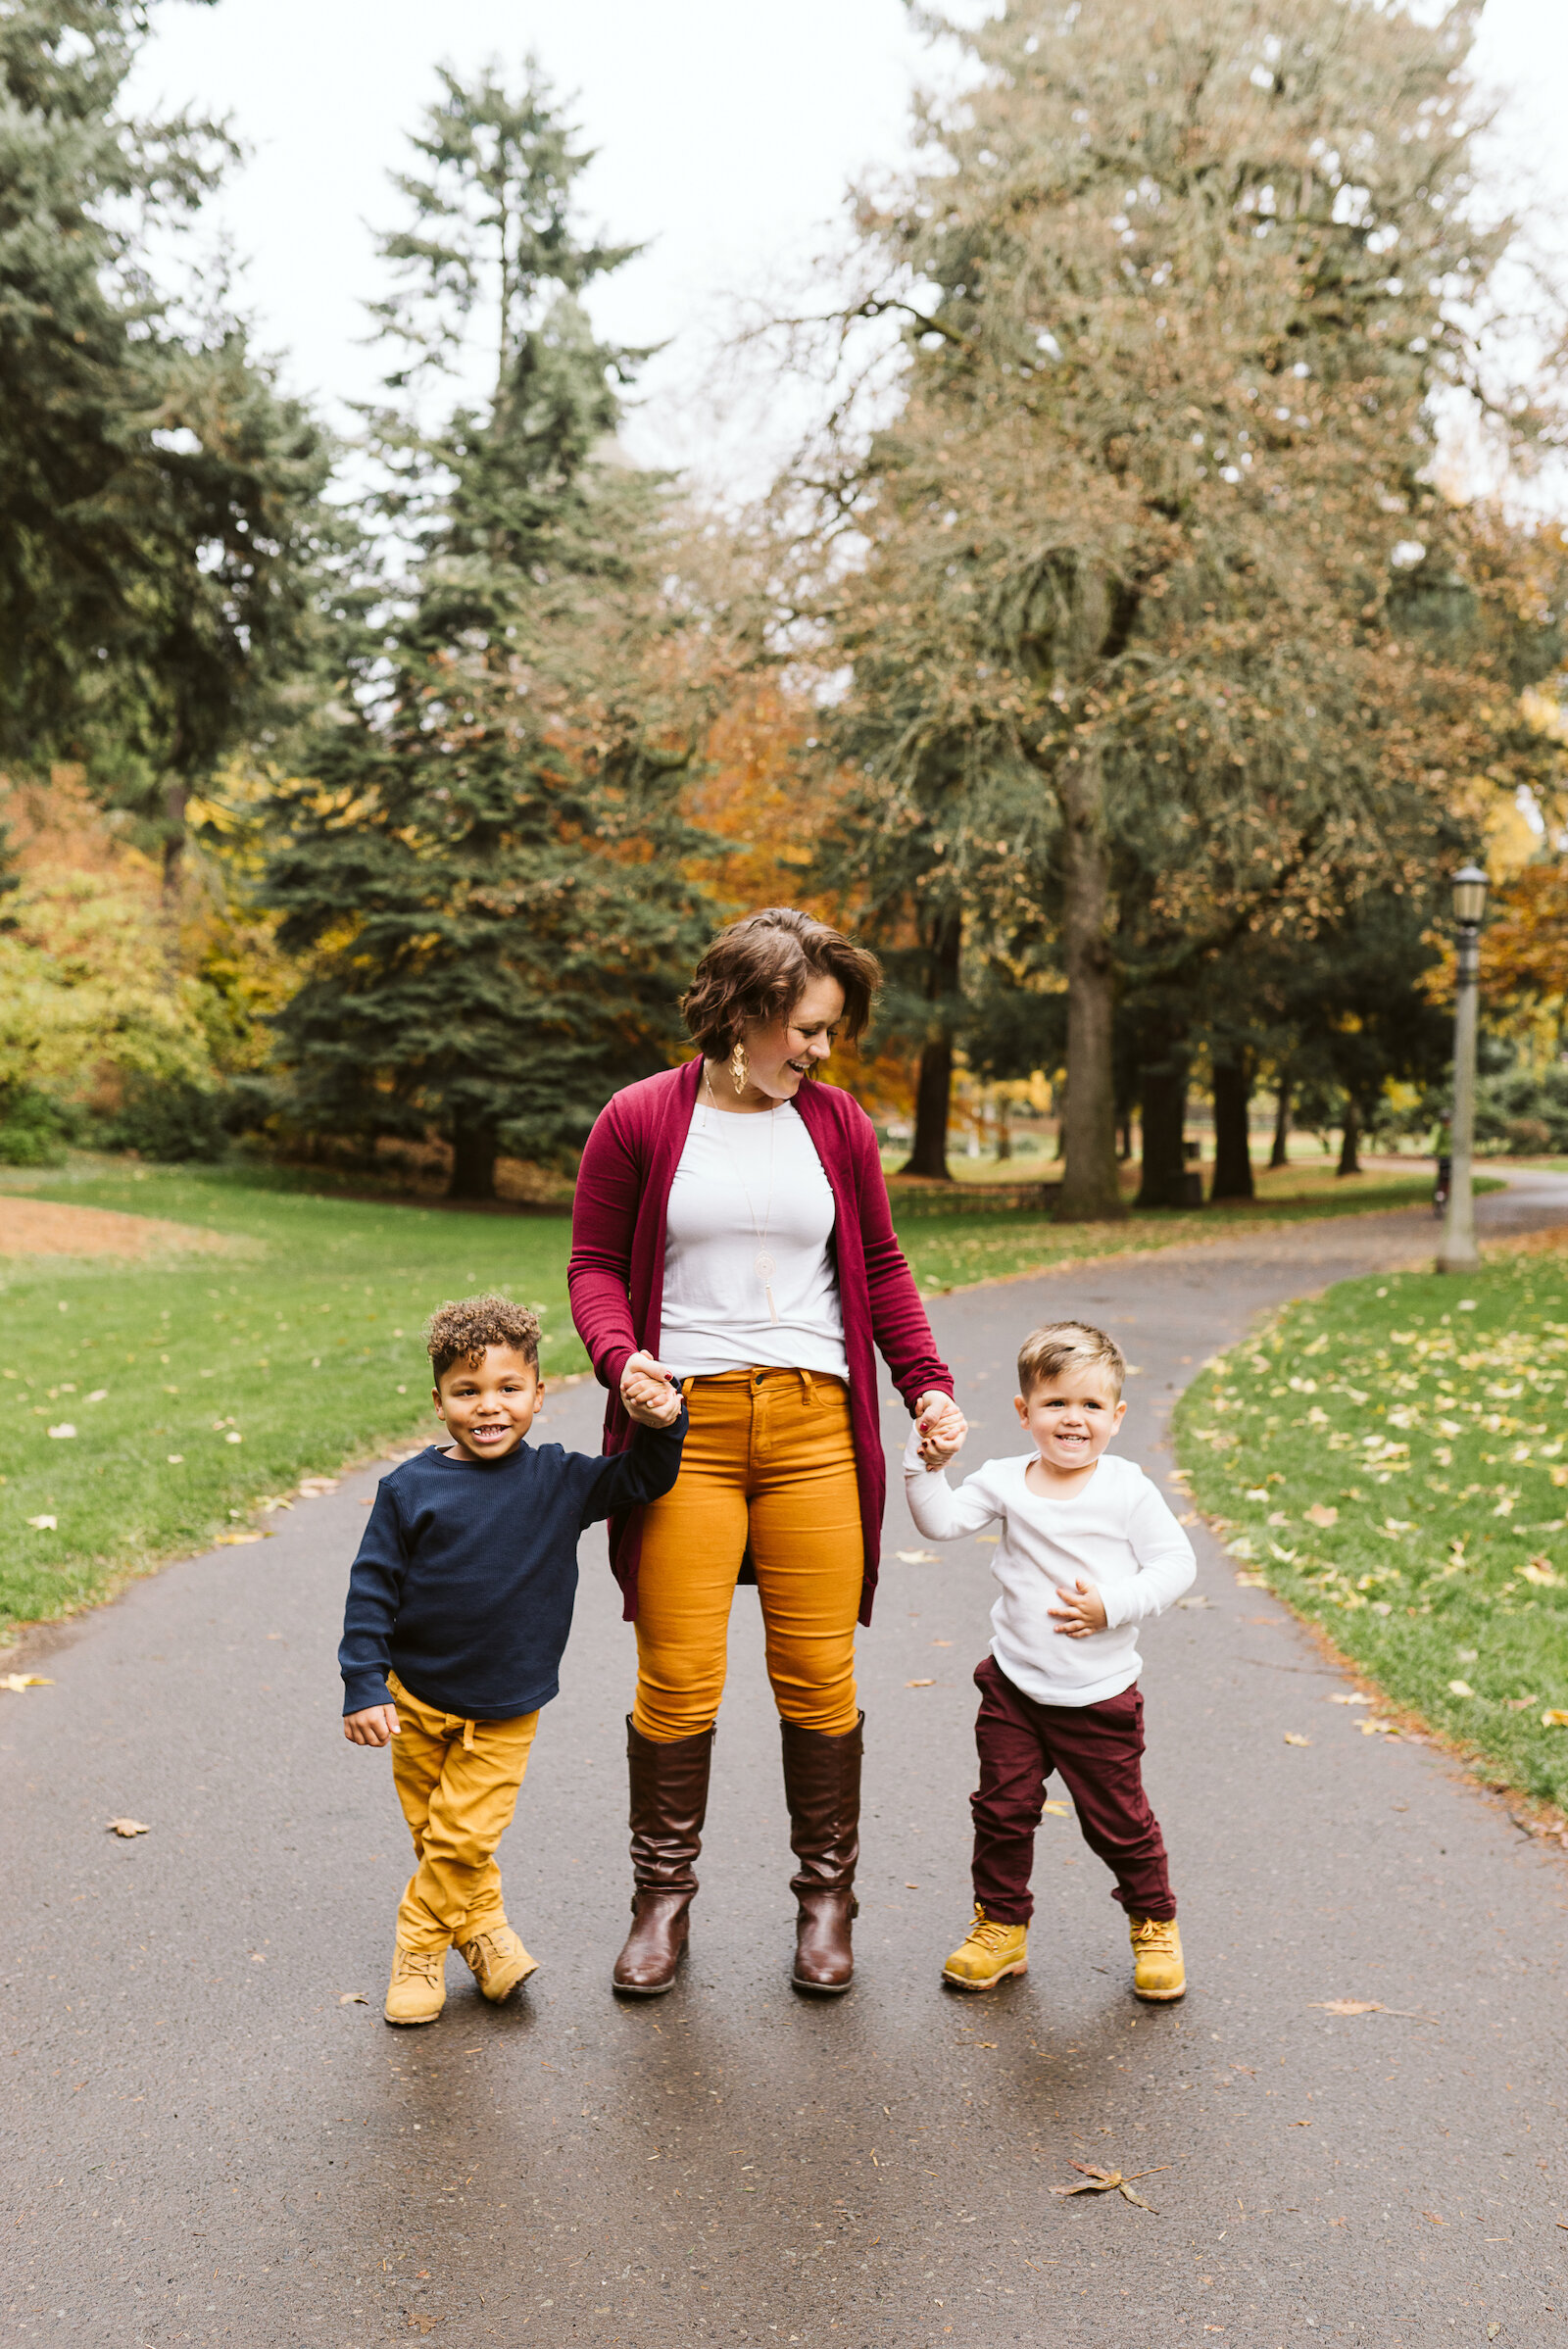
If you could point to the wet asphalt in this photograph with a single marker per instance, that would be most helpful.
(208, 2139)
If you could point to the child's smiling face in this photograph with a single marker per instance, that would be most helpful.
(489, 1404)
(1071, 1418)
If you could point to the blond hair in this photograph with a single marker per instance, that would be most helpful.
(1059, 1347)
(459, 1331)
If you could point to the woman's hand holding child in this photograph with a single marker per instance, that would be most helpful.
(647, 1393)
(942, 1429)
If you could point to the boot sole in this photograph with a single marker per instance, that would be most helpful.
(959, 1982)
(643, 1989)
(820, 1990)
(499, 1997)
(1159, 1997)
(410, 2022)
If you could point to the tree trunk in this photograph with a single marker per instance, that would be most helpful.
(474, 1150)
(1349, 1135)
(1164, 1174)
(1003, 1127)
(933, 1097)
(1233, 1150)
(1124, 1145)
(1091, 1191)
(176, 798)
(1280, 1155)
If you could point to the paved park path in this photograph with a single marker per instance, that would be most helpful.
(202, 2141)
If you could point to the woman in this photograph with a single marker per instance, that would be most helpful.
(731, 1231)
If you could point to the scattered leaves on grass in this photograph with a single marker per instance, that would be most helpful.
(1104, 2181)
(18, 1680)
(45, 1525)
(916, 1557)
(919, 1683)
(1293, 1738)
(1540, 1570)
(353, 1998)
(1460, 1688)
(1251, 1581)
(1322, 1513)
(127, 1827)
(1554, 1716)
(63, 1430)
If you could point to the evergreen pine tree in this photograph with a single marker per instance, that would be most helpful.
(483, 868)
(1166, 632)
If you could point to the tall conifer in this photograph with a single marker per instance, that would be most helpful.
(483, 869)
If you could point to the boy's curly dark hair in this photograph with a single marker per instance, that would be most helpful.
(460, 1330)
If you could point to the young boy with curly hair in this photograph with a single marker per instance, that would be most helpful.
(459, 1602)
(1088, 1550)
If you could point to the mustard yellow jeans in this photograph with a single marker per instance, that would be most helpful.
(769, 1465)
(458, 1782)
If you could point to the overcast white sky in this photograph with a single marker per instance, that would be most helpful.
(727, 134)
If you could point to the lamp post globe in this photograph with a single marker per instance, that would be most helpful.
(1460, 1252)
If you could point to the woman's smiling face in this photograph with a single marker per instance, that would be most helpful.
(782, 1053)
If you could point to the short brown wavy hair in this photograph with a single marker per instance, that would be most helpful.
(1060, 1346)
(761, 966)
(459, 1331)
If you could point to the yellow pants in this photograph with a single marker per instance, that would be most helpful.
(769, 1465)
(458, 1782)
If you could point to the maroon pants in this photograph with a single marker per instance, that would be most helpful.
(1097, 1750)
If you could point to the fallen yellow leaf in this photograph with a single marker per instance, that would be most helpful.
(919, 1683)
(1106, 2181)
(1539, 1570)
(19, 1680)
(917, 1557)
(1377, 1729)
(127, 1827)
(354, 1999)
(1554, 1716)
(1349, 1696)
(1059, 1809)
(238, 1540)
(1290, 1739)
(1321, 1513)
(1460, 1688)
(1251, 1581)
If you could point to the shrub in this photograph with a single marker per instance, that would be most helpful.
(33, 1128)
(169, 1120)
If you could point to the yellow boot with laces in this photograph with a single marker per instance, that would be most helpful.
(417, 1990)
(497, 1959)
(990, 1951)
(1159, 1973)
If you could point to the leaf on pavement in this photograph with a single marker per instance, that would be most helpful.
(127, 1827)
(18, 1680)
(1059, 1810)
(1104, 2181)
(354, 1999)
(1251, 1581)
(238, 1540)
(1349, 1696)
(424, 2324)
(1320, 1513)
(1292, 1739)
(1377, 1729)
(919, 1683)
(916, 1557)
(1348, 2006)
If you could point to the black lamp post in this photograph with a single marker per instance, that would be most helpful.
(1460, 1252)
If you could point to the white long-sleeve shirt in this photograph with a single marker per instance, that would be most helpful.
(1114, 1532)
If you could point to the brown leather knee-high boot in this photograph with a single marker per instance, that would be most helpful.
(822, 1786)
(668, 1805)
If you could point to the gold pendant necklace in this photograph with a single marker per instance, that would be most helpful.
(763, 1261)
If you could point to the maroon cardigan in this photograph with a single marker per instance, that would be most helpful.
(616, 1273)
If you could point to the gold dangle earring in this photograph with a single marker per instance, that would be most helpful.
(738, 1066)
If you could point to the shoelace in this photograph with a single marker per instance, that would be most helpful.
(420, 1961)
(990, 1932)
(1155, 1931)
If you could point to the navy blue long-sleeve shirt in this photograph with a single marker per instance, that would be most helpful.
(467, 1576)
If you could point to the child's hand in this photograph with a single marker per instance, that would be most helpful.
(660, 1412)
(377, 1725)
(1082, 1610)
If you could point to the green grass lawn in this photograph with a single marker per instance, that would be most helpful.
(306, 1347)
(1390, 1457)
(955, 1249)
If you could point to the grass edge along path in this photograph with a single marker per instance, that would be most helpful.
(163, 1467)
(1389, 1459)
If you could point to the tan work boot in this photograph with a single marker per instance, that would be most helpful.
(417, 1990)
(497, 1960)
(1159, 1973)
(990, 1953)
